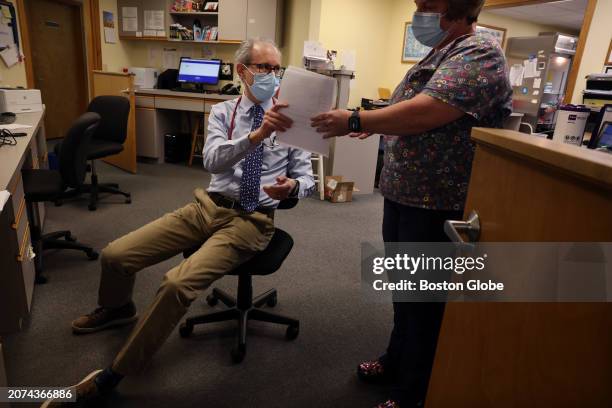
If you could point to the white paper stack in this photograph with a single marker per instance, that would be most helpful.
(307, 95)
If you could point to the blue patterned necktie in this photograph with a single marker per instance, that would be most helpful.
(251, 168)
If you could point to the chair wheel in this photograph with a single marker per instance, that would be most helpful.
(71, 238)
(185, 330)
(238, 353)
(272, 301)
(212, 300)
(91, 207)
(92, 255)
(58, 203)
(128, 200)
(292, 332)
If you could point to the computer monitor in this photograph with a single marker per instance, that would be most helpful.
(199, 71)
(604, 139)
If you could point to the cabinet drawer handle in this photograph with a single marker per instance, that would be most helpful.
(471, 228)
(22, 248)
(19, 214)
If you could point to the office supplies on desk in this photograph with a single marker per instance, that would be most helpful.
(14, 126)
(144, 77)
(307, 94)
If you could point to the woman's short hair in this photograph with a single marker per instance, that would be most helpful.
(468, 9)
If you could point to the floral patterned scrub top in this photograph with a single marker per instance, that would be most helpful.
(432, 169)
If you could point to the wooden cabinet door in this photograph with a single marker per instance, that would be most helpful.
(232, 20)
(261, 19)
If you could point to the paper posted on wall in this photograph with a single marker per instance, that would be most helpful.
(307, 95)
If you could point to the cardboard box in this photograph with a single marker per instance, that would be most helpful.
(337, 190)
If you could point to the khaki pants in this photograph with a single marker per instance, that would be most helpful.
(227, 237)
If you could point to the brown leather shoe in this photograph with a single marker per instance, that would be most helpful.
(86, 390)
(103, 318)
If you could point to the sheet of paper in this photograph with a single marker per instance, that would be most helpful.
(6, 35)
(161, 33)
(149, 33)
(154, 19)
(14, 126)
(129, 12)
(109, 35)
(307, 95)
(516, 75)
(314, 50)
(537, 82)
(6, 12)
(170, 58)
(9, 56)
(130, 24)
(531, 67)
(4, 196)
(154, 56)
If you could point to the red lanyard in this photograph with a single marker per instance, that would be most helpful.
(233, 122)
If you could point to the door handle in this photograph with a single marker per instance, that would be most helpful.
(471, 228)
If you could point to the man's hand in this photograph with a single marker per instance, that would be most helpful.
(281, 189)
(360, 136)
(332, 123)
(273, 121)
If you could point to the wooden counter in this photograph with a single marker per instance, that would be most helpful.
(530, 354)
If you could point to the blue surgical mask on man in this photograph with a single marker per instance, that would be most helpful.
(264, 86)
(426, 29)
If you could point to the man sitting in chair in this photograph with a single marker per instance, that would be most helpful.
(232, 221)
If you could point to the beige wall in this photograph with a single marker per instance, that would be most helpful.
(114, 56)
(362, 26)
(296, 25)
(15, 75)
(597, 45)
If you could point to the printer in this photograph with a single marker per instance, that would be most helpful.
(20, 100)
(144, 78)
(598, 91)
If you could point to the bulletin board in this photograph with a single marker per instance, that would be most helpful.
(8, 20)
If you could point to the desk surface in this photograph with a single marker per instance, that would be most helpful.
(191, 95)
(591, 164)
(10, 156)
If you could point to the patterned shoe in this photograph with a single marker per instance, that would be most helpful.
(372, 372)
(388, 404)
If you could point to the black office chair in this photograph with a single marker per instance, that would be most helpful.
(244, 306)
(47, 185)
(107, 141)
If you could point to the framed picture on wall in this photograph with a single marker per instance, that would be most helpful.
(498, 33)
(412, 51)
(609, 55)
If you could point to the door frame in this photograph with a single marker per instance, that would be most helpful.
(90, 18)
(582, 38)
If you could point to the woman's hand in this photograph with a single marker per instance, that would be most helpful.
(332, 123)
(273, 121)
(360, 135)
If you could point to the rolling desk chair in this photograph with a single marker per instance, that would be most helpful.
(244, 307)
(107, 141)
(47, 185)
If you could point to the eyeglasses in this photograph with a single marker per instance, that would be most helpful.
(266, 68)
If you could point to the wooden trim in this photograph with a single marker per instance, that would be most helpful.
(26, 50)
(165, 39)
(22, 248)
(180, 98)
(608, 58)
(15, 225)
(505, 30)
(97, 71)
(577, 60)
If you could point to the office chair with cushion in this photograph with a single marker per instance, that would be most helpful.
(107, 141)
(47, 185)
(245, 307)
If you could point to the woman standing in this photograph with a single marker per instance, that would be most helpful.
(462, 83)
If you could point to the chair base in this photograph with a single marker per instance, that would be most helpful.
(242, 313)
(95, 188)
(57, 240)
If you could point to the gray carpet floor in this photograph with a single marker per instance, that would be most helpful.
(319, 284)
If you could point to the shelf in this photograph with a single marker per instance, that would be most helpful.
(165, 39)
(194, 13)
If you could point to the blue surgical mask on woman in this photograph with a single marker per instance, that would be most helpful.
(426, 29)
(264, 86)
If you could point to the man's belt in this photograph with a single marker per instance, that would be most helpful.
(226, 202)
